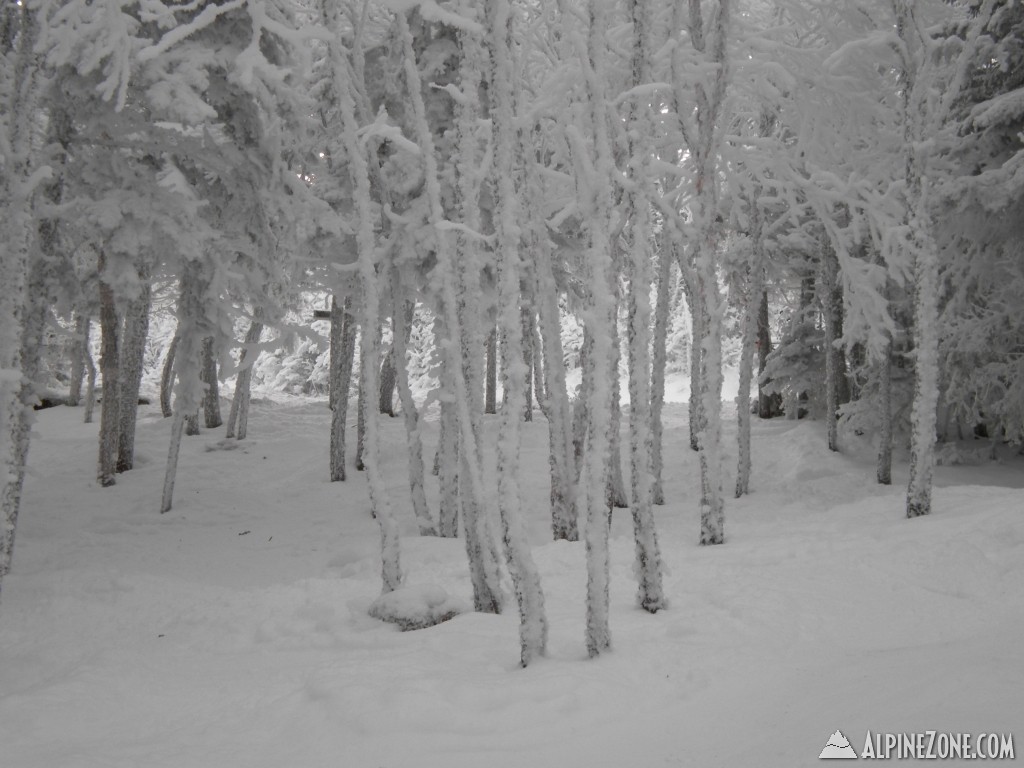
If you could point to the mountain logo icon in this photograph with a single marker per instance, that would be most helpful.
(838, 748)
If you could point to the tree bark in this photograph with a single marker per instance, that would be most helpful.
(658, 364)
(238, 416)
(211, 393)
(343, 348)
(167, 378)
(133, 351)
(388, 381)
(765, 402)
(491, 392)
(110, 371)
(829, 276)
(77, 353)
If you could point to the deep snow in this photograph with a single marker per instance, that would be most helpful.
(233, 631)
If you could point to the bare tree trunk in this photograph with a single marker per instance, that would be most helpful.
(90, 387)
(388, 379)
(80, 341)
(211, 393)
(765, 402)
(884, 470)
(526, 317)
(238, 416)
(133, 351)
(167, 378)
(829, 273)
(110, 370)
(491, 392)
(343, 348)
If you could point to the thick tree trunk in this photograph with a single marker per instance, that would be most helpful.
(133, 351)
(751, 310)
(694, 405)
(447, 459)
(211, 392)
(167, 378)
(238, 416)
(926, 378)
(343, 349)
(79, 342)
(110, 371)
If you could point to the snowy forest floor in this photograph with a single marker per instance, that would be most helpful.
(233, 631)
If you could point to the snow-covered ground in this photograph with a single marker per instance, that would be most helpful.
(233, 632)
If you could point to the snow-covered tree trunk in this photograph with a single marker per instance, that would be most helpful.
(695, 404)
(361, 398)
(533, 626)
(189, 387)
(616, 482)
(79, 341)
(526, 317)
(211, 387)
(561, 456)
(110, 371)
(133, 350)
(343, 343)
(402, 312)
(238, 416)
(369, 350)
(647, 565)
(448, 458)
(167, 378)
(596, 463)
(659, 361)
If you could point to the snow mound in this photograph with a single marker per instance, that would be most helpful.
(416, 607)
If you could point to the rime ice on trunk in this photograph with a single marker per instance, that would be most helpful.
(647, 564)
(658, 363)
(167, 378)
(211, 391)
(617, 496)
(694, 406)
(189, 388)
(133, 350)
(526, 316)
(90, 387)
(238, 416)
(402, 315)
(765, 407)
(110, 371)
(369, 284)
(533, 627)
(926, 380)
(388, 381)
(343, 346)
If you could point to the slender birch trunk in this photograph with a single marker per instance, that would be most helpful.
(238, 416)
(533, 626)
(658, 363)
(189, 388)
(369, 351)
(402, 313)
(647, 563)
